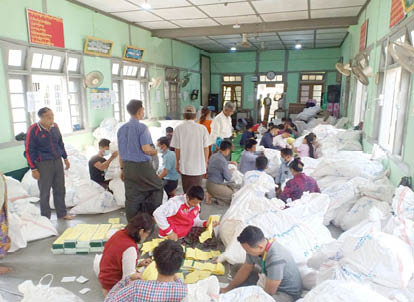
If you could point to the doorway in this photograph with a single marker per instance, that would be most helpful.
(275, 92)
(233, 93)
(173, 105)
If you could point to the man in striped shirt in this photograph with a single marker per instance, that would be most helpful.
(168, 256)
(44, 152)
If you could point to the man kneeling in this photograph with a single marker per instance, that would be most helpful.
(168, 257)
(279, 276)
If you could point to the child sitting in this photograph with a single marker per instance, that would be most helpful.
(253, 176)
(307, 149)
(168, 173)
(180, 214)
(247, 135)
(168, 257)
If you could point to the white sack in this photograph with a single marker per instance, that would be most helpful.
(17, 238)
(30, 184)
(45, 293)
(114, 168)
(403, 202)
(246, 294)
(15, 189)
(117, 186)
(274, 161)
(236, 175)
(308, 113)
(207, 290)
(96, 264)
(103, 202)
(341, 291)
(402, 228)
(381, 189)
(341, 123)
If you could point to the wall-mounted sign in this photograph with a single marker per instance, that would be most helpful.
(397, 12)
(98, 47)
(408, 5)
(363, 36)
(132, 53)
(45, 29)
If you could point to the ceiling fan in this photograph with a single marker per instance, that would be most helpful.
(244, 42)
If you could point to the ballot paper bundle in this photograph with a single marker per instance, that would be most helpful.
(84, 239)
(197, 254)
(208, 233)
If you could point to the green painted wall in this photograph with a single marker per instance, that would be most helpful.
(273, 60)
(79, 23)
(378, 14)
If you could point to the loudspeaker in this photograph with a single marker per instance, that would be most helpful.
(213, 100)
(334, 93)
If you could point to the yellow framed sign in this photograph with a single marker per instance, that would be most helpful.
(133, 54)
(408, 5)
(98, 47)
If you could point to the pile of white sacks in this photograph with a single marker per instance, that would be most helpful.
(373, 260)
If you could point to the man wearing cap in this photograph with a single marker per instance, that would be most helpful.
(143, 187)
(221, 127)
(191, 142)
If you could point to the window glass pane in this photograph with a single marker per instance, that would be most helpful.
(262, 78)
(37, 60)
(305, 93)
(46, 61)
(73, 99)
(279, 78)
(15, 57)
(19, 115)
(125, 70)
(56, 63)
(317, 88)
(319, 77)
(312, 78)
(412, 37)
(238, 79)
(232, 79)
(134, 71)
(74, 110)
(73, 64)
(16, 86)
(143, 72)
(305, 88)
(130, 69)
(115, 87)
(19, 127)
(73, 87)
(305, 77)
(75, 120)
(115, 68)
(317, 93)
(226, 79)
(17, 100)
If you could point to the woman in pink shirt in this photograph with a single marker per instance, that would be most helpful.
(307, 148)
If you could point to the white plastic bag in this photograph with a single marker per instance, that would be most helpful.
(17, 239)
(45, 293)
(403, 202)
(104, 202)
(274, 161)
(246, 294)
(15, 189)
(97, 263)
(206, 290)
(117, 186)
(236, 175)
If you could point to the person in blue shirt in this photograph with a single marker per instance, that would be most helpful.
(247, 135)
(267, 139)
(143, 187)
(168, 172)
(248, 157)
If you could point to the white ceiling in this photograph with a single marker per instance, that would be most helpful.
(176, 14)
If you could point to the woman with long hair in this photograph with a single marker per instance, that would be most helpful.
(205, 119)
(307, 148)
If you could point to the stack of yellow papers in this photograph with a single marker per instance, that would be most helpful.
(116, 220)
(196, 276)
(150, 273)
(197, 254)
(208, 233)
(57, 246)
(149, 246)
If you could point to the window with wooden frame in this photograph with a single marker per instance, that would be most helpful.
(232, 90)
(264, 79)
(311, 87)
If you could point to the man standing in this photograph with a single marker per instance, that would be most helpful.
(267, 102)
(191, 142)
(279, 276)
(221, 127)
(143, 188)
(44, 153)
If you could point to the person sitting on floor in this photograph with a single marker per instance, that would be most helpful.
(306, 149)
(280, 140)
(252, 177)
(98, 164)
(267, 139)
(218, 173)
(120, 255)
(248, 157)
(177, 217)
(247, 135)
(168, 257)
(284, 173)
(279, 275)
(299, 184)
(168, 171)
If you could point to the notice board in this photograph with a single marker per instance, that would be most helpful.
(397, 12)
(45, 29)
(132, 53)
(363, 36)
(98, 47)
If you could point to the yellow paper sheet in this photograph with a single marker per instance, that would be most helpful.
(116, 220)
(208, 233)
(180, 276)
(149, 246)
(197, 254)
(196, 276)
(215, 269)
(150, 273)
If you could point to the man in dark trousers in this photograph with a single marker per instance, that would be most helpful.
(143, 188)
(44, 153)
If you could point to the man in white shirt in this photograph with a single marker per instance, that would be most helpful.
(221, 127)
(191, 143)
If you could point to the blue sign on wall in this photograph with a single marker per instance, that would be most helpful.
(133, 53)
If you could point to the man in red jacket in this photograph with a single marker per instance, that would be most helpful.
(180, 214)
